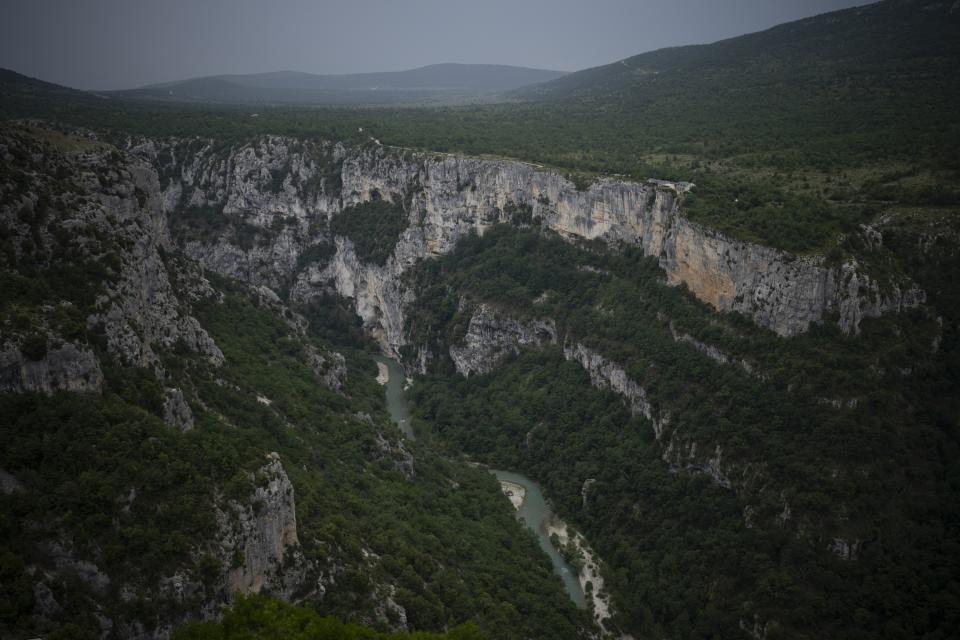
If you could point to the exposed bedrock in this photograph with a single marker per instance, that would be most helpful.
(492, 336)
(64, 368)
(289, 189)
(260, 535)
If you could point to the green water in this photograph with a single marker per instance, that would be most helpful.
(534, 512)
(396, 403)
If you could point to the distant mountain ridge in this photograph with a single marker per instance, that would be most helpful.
(861, 45)
(432, 83)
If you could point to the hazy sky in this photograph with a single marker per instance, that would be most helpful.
(112, 44)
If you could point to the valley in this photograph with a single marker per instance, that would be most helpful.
(524, 493)
(666, 348)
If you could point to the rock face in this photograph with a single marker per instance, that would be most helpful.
(9, 484)
(491, 337)
(64, 368)
(680, 452)
(262, 535)
(711, 351)
(140, 312)
(176, 411)
(285, 190)
(374, 289)
(605, 374)
(782, 292)
(81, 207)
(844, 549)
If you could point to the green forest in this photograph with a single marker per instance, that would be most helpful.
(259, 618)
(669, 538)
(793, 136)
(798, 487)
(373, 227)
(82, 457)
(103, 478)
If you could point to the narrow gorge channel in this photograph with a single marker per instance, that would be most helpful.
(535, 513)
(391, 375)
(532, 508)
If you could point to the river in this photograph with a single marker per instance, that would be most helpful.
(396, 403)
(534, 512)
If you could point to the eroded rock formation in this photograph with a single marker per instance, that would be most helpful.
(492, 336)
(291, 189)
(64, 368)
(260, 535)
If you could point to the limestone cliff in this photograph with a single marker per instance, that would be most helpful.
(282, 192)
(64, 368)
(91, 217)
(605, 374)
(711, 351)
(492, 336)
(140, 311)
(259, 543)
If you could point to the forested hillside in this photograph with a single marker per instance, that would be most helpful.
(705, 296)
(830, 457)
(129, 458)
(793, 135)
(433, 84)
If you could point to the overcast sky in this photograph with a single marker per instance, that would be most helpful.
(114, 44)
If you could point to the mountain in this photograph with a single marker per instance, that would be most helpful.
(14, 85)
(189, 408)
(179, 437)
(887, 44)
(710, 308)
(434, 83)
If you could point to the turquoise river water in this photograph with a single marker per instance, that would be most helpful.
(534, 512)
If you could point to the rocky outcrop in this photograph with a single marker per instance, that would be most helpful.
(679, 452)
(585, 492)
(331, 367)
(492, 336)
(247, 212)
(285, 190)
(82, 208)
(140, 313)
(176, 411)
(711, 351)
(845, 549)
(394, 451)
(9, 484)
(375, 290)
(64, 368)
(328, 366)
(605, 374)
(258, 537)
(682, 453)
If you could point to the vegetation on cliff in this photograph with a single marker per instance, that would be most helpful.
(804, 487)
(259, 618)
(793, 135)
(822, 437)
(373, 227)
(135, 497)
(101, 497)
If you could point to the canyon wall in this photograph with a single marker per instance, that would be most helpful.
(288, 190)
(492, 336)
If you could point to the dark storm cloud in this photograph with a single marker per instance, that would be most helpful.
(110, 44)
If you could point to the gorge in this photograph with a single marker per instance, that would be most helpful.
(263, 214)
(664, 348)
